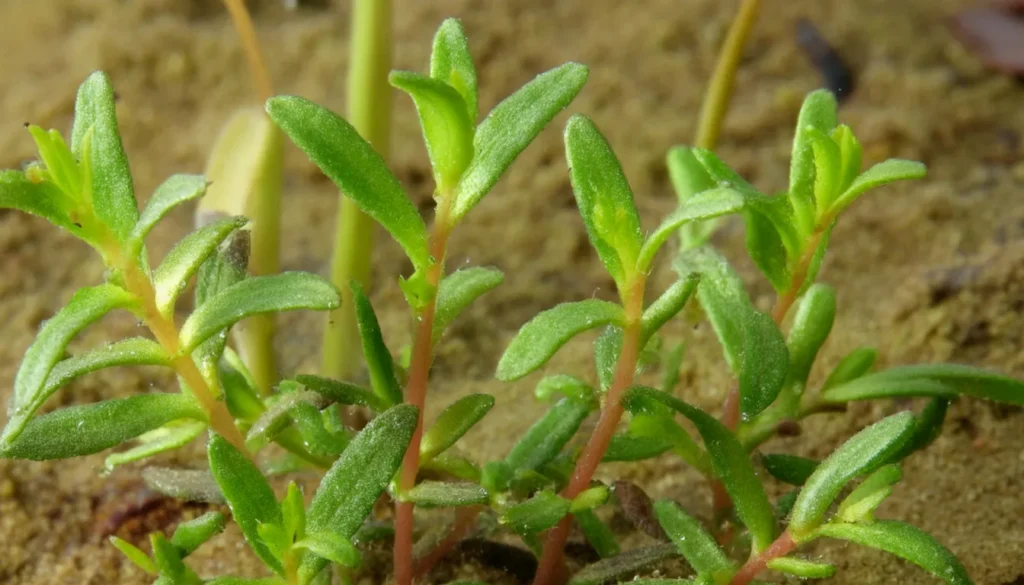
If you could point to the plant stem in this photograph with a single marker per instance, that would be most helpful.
(782, 546)
(716, 100)
(416, 394)
(369, 111)
(551, 566)
(464, 519)
(251, 46)
(786, 299)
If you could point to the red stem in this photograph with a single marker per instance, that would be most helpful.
(552, 568)
(416, 394)
(782, 546)
(464, 520)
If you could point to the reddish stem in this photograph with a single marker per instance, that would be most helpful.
(782, 546)
(551, 568)
(464, 520)
(416, 394)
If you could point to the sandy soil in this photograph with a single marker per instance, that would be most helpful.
(926, 272)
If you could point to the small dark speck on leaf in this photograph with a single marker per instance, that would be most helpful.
(836, 74)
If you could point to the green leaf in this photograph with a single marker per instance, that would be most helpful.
(378, 359)
(173, 192)
(87, 306)
(604, 199)
(240, 393)
(883, 173)
(546, 438)
(828, 168)
(693, 541)
(862, 501)
(439, 494)
(666, 429)
(854, 365)
(460, 288)
(546, 333)
(906, 542)
(607, 348)
(699, 207)
(819, 113)
(169, 564)
(248, 494)
(667, 306)
(849, 155)
(729, 459)
(74, 431)
(136, 556)
(173, 274)
(451, 63)
(791, 469)
(136, 351)
(938, 380)
(688, 179)
(332, 547)
(454, 422)
(862, 453)
(261, 294)
(927, 426)
(802, 568)
(190, 485)
(447, 127)
(113, 196)
(811, 327)
(540, 512)
(597, 533)
(173, 435)
(227, 266)
(753, 345)
(568, 386)
(342, 392)
(293, 513)
(454, 465)
(42, 199)
(627, 447)
(274, 419)
(189, 536)
(242, 581)
(623, 567)
(510, 127)
(589, 499)
(355, 167)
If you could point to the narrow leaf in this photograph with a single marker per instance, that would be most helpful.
(458, 290)
(332, 547)
(623, 567)
(568, 386)
(818, 112)
(693, 541)
(862, 453)
(791, 469)
(700, 207)
(849, 155)
(811, 327)
(597, 533)
(168, 561)
(604, 199)
(274, 419)
(74, 431)
(189, 536)
(828, 169)
(454, 422)
(189, 485)
(42, 199)
(511, 126)
(451, 63)
(938, 380)
(802, 568)
(607, 348)
(927, 427)
(543, 335)
(549, 435)
(854, 365)
(439, 494)
(688, 179)
(862, 501)
(173, 435)
(173, 274)
(540, 512)
(136, 556)
(589, 499)
(342, 392)
(627, 447)
(355, 167)
(261, 294)
(173, 192)
(906, 542)
(668, 305)
(378, 358)
(882, 173)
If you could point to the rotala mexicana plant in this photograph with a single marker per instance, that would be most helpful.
(548, 483)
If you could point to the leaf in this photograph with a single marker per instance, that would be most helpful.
(699, 207)
(810, 329)
(728, 458)
(173, 274)
(189, 536)
(293, 513)
(113, 197)
(355, 167)
(378, 358)
(935, 380)
(278, 416)
(439, 494)
(546, 438)
(170, 436)
(538, 513)
(248, 494)
(190, 485)
(854, 365)
(883, 173)
(666, 429)
(261, 294)
(791, 469)
(42, 199)
(454, 465)
(604, 199)
(543, 335)
(623, 567)
(607, 348)
(906, 542)
(828, 172)
(767, 247)
(460, 288)
(243, 581)
(136, 556)
(667, 306)
(168, 562)
(626, 447)
(454, 422)
(342, 392)
(752, 343)
(849, 155)
(451, 63)
(74, 431)
(597, 533)
(589, 499)
(862, 501)
(510, 127)
(447, 127)
(332, 547)
(691, 539)
(862, 453)
(240, 393)
(568, 386)
(818, 112)
(173, 192)
(802, 568)
(225, 267)
(688, 179)
(132, 351)
(927, 426)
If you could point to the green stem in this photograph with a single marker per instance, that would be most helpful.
(369, 111)
(716, 100)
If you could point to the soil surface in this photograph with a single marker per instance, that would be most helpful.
(926, 272)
